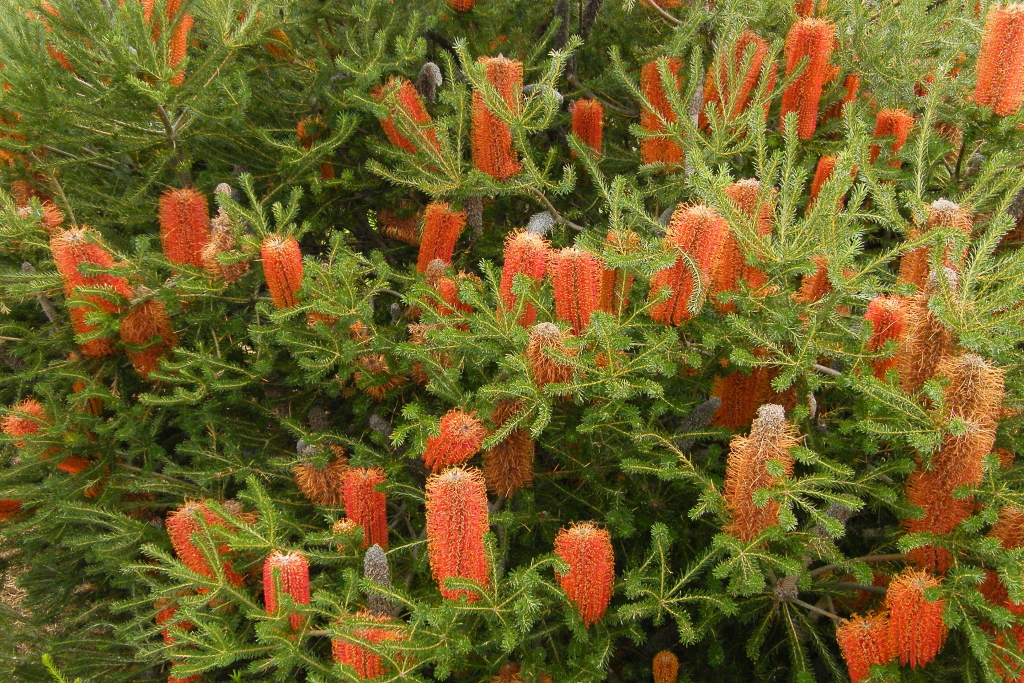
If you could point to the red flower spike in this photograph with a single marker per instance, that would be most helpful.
(576, 276)
(544, 369)
(525, 253)
(282, 269)
(365, 505)
(587, 550)
(148, 325)
(367, 664)
(865, 641)
(852, 84)
(508, 466)
(309, 130)
(178, 46)
(732, 264)
(401, 96)
(813, 40)
(895, 123)
(293, 578)
(942, 213)
(615, 284)
(27, 417)
(74, 465)
(658, 149)
(588, 123)
(816, 285)
(441, 229)
(1000, 85)
(182, 524)
(888, 318)
(718, 91)
(698, 231)
(1009, 528)
(456, 523)
(742, 394)
(808, 8)
(665, 667)
(184, 226)
(461, 437)
(822, 172)
(9, 508)
(461, 5)
(915, 623)
(746, 471)
(493, 152)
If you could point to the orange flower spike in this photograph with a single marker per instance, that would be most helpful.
(806, 8)
(457, 521)
(658, 149)
(698, 231)
(527, 254)
(615, 285)
(365, 505)
(148, 324)
(544, 369)
(1009, 528)
(822, 172)
(576, 276)
(493, 152)
(355, 655)
(461, 435)
(461, 5)
(184, 225)
(77, 246)
(888, 318)
(323, 486)
(915, 623)
(178, 46)
(896, 123)
(814, 40)
(402, 96)
(746, 471)
(1000, 85)
(9, 508)
(732, 266)
(27, 417)
(865, 641)
(182, 525)
(508, 466)
(441, 229)
(665, 667)
(816, 285)
(587, 549)
(588, 123)
(293, 578)
(282, 269)
(942, 213)
(717, 91)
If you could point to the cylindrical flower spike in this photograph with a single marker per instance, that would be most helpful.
(322, 486)
(293, 578)
(352, 653)
(1000, 85)
(222, 241)
(282, 269)
(576, 276)
(547, 370)
(865, 641)
(182, 525)
(441, 229)
(746, 471)
(732, 266)
(178, 47)
(365, 505)
(9, 508)
(925, 343)
(742, 394)
(896, 123)
(508, 466)
(719, 91)
(808, 8)
(915, 623)
(148, 325)
(404, 101)
(658, 149)
(588, 123)
(665, 667)
(587, 549)
(615, 284)
(309, 130)
(888, 318)
(1009, 528)
(184, 226)
(461, 5)
(26, 417)
(812, 40)
(815, 286)
(461, 435)
(822, 172)
(699, 232)
(527, 254)
(852, 84)
(942, 214)
(493, 152)
(456, 524)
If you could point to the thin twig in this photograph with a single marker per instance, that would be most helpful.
(172, 139)
(893, 557)
(554, 212)
(861, 587)
(575, 81)
(818, 610)
(825, 370)
(69, 155)
(664, 15)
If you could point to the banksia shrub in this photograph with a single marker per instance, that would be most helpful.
(526, 254)
(403, 101)
(148, 327)
(322, 486)
(282, 269)
(746, 471)
(665, 667)
(895, 123)
(351, 652)
(887, 316)
(588, 122)
(1000, 85)
(587, 549)
(545, 369)
(699, 231)
(292, 571)
(658, 149)
(508, 465)
(915, 623)
(732, 82)
(26, 417)
(864, 642)
(461, 435)
(184, 226)
(942, 214)
(456, 523)
(493, 152)
(615, 284)
(183, 526)
(365, 505)
(576, 279)
(441, 229)
(812, 40)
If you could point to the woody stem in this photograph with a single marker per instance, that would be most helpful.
(554, 212)
(893, 557)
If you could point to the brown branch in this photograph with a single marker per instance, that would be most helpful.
(554, 212)
(825, 370)
(893, 557)
(664, 15)
(817, 610)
